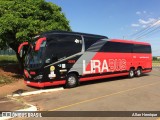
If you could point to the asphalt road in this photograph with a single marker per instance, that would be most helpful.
(114, 94)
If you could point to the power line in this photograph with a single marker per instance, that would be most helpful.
(146, 30)
(146, 34)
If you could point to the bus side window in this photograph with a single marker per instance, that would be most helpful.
(117, 47)
(89, 41)
(69, 45)
(141, 48)
(62, 46)
(49, 55)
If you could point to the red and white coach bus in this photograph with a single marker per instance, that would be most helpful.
(68, 58)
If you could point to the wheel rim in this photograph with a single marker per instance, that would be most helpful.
(131, 73)
(71, 80)
(138, 72)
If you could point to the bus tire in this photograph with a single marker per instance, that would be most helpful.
(131, 73)
(72, 81)
(138, 72)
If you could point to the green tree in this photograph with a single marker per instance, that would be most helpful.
(20, 20)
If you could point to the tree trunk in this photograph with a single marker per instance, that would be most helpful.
(20, 60)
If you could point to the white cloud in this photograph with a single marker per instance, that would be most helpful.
(156, 23)
(138, 12)
(135, 25)
(144, 26)
(146, 22)
(141, 12)
(146, 19)
(144, 12)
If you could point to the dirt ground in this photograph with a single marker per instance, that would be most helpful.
(15, 80)
(9, 73)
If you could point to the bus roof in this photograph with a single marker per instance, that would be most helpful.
(91, 35)
(129, 41)
(75, 33)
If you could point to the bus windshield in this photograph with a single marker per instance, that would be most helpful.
(34, 59)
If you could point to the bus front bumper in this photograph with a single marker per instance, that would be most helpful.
(44, 84)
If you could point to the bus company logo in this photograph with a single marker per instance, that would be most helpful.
(104, 66)
(78, 41)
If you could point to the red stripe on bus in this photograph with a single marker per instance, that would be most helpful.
(101, 77)
(146, 71)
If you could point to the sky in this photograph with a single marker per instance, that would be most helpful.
(123, 19)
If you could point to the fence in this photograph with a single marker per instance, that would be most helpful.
(8, 51)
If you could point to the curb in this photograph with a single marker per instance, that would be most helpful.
(36, 92)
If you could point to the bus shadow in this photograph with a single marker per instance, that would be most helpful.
(12, 68)
(47, 87)
(18, 76)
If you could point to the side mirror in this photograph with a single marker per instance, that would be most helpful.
(20, 48)
(39, 42)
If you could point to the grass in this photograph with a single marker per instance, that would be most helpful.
(5, 80)
(156, 61)
(8, 59)
(155, 64)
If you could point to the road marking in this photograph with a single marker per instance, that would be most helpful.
(108, 95)
(31, 108)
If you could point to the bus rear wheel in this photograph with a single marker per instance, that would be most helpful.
(131, 73)
(138, 72)
(72, 81)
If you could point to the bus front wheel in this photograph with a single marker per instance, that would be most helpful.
(72, 81)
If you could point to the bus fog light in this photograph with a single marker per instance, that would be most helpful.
(38, 77)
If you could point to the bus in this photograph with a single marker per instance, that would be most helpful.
(68, 58)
